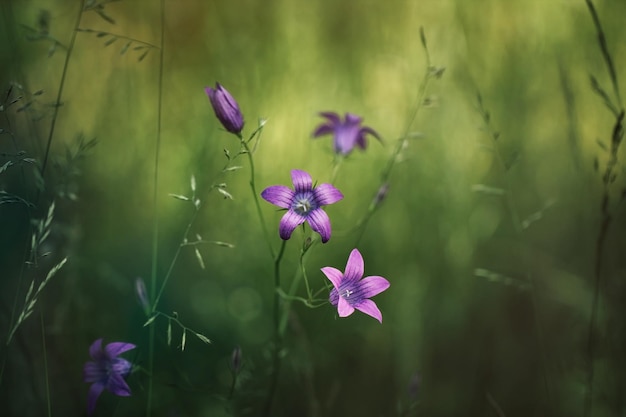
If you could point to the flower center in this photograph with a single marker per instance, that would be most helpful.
(346, 293)
(303, 204)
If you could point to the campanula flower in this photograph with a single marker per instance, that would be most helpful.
(347, 133)
(226, 108)
(351, 292)
(107, 370)
(303, 203)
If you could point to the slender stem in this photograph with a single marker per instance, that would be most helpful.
(517, 226)
(232, 386)
(618, 133)
(277, 333)
(155, 223)
(55, 113)
(45, 362)
(255, 196)
(337, 162)
(401, 143)
(606, 219)
(174, 259)
(306, 279)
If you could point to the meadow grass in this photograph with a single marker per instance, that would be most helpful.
(495, 252)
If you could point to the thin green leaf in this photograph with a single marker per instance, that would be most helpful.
(150, 320)
(203, 338)
(141, 58)
(225, 193)
(179, 197)
(199, 257)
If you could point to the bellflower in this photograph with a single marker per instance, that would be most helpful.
(347, 133)
(226, 108)
(303, 203)
(107, 370)
(351, 292)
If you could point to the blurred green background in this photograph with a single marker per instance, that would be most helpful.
(510, 340)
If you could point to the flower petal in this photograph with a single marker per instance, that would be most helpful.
(353, 119)
(116, 348)
(371, 286)
(302, 181)
(93, 372)
(334, 275)
(118, 386)
(323, 129)
(354, 266)
(94, 392)
(320, 223)
(95, 350)
(279, 195)
(332, 117)
(371, 131)
(121, 367)
(343, 308)
(288, 223)
(333, 297)
(370, 308)
(326, 194)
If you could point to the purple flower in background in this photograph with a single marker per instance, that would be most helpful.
(106, 370)
(351, 292)
(226, 108)
(304, 203)
(347, 133)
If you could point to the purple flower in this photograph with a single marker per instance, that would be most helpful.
(106, 370)
(304, 203)
(348, 132)
(226, 108)
(351, 291)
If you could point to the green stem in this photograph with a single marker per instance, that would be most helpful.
(55, 113)
(278, 335)
(255, 196)
(401, 144)
(155, 224)
(174, 259)
(337, 162)
(45, 363)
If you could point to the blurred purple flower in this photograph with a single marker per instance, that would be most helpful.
(226, 108)
(351, 292)
(106, 370)
(304, 203)
(347, 133)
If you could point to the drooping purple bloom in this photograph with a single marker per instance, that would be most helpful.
(303, 203)
(107, 370)
(226, 108)
(347, 133)
(351, 292)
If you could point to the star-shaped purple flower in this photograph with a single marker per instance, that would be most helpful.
(226, 108)
(304, 203)
(347, 133)
(106, 370)
(351, 292)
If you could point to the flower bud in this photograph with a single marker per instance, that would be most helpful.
(235, 360)
(226, 108)
(142, 294)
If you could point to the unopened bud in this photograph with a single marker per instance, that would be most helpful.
(235, 360)
(142, 294)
